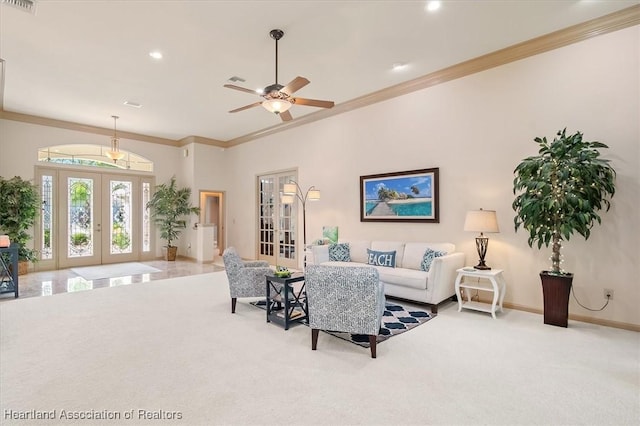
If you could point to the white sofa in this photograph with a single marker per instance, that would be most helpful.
(406, 280)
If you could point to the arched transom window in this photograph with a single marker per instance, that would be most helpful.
(93, 155)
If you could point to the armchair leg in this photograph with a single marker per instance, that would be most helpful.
(372, 344)
(233, 305)
(314, 338)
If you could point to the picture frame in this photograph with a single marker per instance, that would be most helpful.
(411, 196)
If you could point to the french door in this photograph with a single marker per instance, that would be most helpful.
(91, 218)
(277, 222)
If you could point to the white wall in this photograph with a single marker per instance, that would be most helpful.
(476, 130)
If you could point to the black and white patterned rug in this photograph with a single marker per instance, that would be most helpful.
(396, 320)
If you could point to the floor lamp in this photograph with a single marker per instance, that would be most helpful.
(291, 190)
(481, 221)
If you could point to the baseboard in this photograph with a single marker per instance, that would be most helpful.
(581, 318)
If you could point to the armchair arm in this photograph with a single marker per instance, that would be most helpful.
(256, 263)
(256, 273)
(442, 276)
(250, 282)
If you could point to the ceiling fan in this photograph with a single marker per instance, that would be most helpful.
(278, 98)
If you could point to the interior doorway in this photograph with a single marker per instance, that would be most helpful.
(212, 215)
(276, 228)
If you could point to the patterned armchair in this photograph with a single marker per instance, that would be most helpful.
(347, 299)
(246, 278)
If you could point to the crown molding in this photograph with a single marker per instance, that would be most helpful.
(203, 141)
(624, 18)
(50, 122)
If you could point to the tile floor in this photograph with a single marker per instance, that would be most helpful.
(47, 283)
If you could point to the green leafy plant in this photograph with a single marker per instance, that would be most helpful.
(169, 206)
(19, 204)
(561, 190)
(79, 239)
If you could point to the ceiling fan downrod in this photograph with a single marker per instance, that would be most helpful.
(276, 35)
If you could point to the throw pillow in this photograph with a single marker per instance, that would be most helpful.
(339, 252)
(428, 257)
(381, 258)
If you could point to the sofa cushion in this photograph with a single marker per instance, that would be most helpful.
(403, 277)
(382, 258)
(414, 252)
(339, 252)
(358, 251)
(390, 246)
(398, 276)
(428, 257)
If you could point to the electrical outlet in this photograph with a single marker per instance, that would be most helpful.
(608, 294)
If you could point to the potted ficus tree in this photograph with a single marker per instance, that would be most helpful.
(560, 192)
(19, 205)
(170, 206)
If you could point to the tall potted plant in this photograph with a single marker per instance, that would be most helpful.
(19, 204)
(560, 192)
(169, 207)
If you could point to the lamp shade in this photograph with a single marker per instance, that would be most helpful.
(276, 105)
(481, 221)
(287, 199)
(313, 194)
(290, 189)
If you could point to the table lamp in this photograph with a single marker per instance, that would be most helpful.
(481, 221)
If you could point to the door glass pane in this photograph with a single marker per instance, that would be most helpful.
(266, 212)
(146, 220)
(80, 217)
(120, 223)
(46, 249)
(287, 228)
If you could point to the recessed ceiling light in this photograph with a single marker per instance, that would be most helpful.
(399, 66)
(133, 104)
(155, 54)
(432, 6)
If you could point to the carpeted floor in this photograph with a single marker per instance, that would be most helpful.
(396, 320)
(171, 352)
(115, 270)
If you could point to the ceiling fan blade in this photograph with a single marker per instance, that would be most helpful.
(295, 84)
(246, 107)
(286, 116)
(242, 89)
(314, 102)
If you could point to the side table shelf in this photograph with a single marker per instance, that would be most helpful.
(9, 270)
(496, 285)
(289, 295)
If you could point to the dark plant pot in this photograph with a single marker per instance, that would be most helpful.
(172, 252)
(556, 289)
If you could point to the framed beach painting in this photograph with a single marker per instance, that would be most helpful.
(410, 196)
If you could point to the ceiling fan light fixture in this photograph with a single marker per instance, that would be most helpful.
(276, 106)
